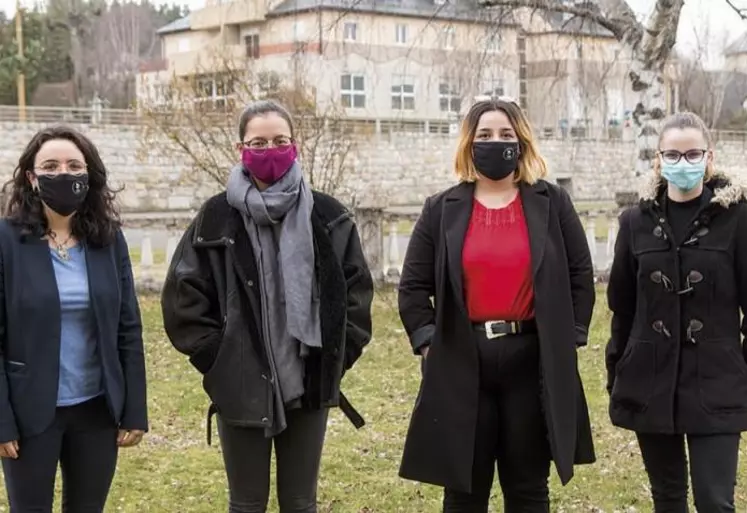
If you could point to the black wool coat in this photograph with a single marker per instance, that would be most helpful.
(675, 358)
(440, 442)
(212, 311)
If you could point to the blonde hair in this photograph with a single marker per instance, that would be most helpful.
(532, 166)
(683, 121)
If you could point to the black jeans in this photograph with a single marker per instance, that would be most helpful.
(298, 452)
(83, 440)
(713, 468)
(511, 430)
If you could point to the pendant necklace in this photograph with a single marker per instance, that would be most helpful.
(60, 247)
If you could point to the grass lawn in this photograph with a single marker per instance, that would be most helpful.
(175, 471)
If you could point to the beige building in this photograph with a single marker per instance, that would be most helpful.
(400, 60)
(735, 55)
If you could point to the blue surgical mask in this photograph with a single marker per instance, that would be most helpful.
(683, 175)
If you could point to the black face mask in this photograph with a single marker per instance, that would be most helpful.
(495, 160)
(63, 193)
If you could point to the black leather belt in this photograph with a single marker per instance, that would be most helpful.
(496, 329)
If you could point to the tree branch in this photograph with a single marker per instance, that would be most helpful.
(614, 15)
(741, 11)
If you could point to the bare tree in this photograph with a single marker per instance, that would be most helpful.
(125, 34)
(195, 119)
(702, 89)
(650, 48)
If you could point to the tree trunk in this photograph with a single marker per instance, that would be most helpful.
(650, 48)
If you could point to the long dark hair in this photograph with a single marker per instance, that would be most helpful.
(97, 220)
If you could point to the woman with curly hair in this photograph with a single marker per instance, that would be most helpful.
(72, 370)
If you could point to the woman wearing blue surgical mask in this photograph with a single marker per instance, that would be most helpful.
(675, 360)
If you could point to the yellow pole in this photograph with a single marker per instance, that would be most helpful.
(21, 86)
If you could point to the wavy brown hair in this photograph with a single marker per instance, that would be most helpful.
(97, 220)
(532, 165)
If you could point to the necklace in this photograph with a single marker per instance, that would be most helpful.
(60, 247)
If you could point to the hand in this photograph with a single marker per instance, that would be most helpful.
(424, 352)
(129, 438)
(9, 450)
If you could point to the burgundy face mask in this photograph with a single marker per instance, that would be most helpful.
(268, 165)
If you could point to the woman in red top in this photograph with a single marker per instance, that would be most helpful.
(496, 295)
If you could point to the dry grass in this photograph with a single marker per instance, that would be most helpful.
(174, 470)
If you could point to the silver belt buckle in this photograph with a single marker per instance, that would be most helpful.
(489, 329)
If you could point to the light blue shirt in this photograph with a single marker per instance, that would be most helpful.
(80, 366)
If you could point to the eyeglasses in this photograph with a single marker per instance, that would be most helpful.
(506, 99)
(259, 143)
(74, 167)
(691, 156)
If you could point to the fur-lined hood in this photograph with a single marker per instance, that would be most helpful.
(727, 191)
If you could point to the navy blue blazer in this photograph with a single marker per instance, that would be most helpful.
(30, 334)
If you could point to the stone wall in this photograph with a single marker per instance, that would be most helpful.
(389, 169)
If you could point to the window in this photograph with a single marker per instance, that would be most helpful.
(449, 38)
(213, 91)
(615, 105)
(492, 87)
(251, 43)
(299, 31)
(575, 104)
(400, 34)
(353, 91)
(493, 42)
(350, 31)
(403, 93)
(449, 97)
(268, 84)
(183, 45)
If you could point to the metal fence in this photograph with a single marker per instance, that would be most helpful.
(99, 116)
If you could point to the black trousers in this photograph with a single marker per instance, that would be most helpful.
(298, 452)
(83, 440)
(511, 430)
(713, 469)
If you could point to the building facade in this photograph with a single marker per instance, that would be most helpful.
(404, 60)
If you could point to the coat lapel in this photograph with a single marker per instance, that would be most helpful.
(456, 215)
(536, 204)
(104, 282)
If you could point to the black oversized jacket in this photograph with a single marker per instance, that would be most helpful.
(211, 308)
(675, 359)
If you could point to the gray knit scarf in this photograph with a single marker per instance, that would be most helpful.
(278, 222)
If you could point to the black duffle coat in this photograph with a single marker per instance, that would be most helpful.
(675, 358)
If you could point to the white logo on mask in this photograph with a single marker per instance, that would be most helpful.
(508, 154)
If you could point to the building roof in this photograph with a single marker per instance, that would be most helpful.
(738, 46)
(466, 10)
(180, 25)
(562, 22)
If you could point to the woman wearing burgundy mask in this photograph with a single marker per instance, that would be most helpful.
(72, 369)
(496, 296)
(270, 297)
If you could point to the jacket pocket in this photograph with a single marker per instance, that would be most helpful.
(722, 375)
(635, 375)
(238, 387)
(14, 367)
